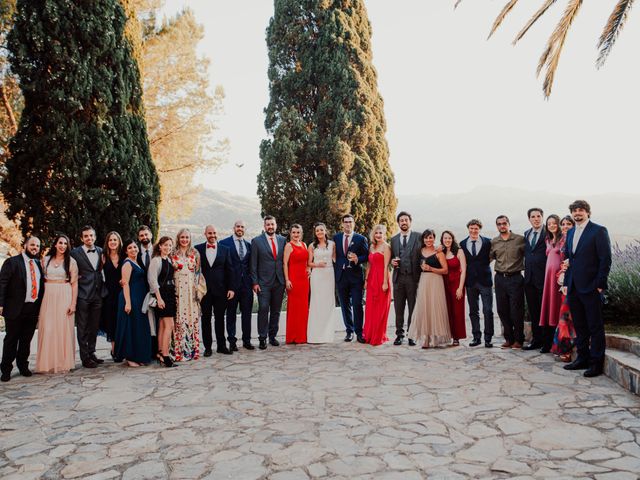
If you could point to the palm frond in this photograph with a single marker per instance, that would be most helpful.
(456, 4)
(534, 19)
(507, 8)
(551, 55)
(612, 29)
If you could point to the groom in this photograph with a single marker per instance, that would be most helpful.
(352, 251)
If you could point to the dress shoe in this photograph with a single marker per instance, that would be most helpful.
(25, 372)
(224, 351)
(233, 347)
(577, 364)
(516, 346)
(89, 363)
(97, 360)
(531, 346)
(412, 343)
(6, 376)
(274, 342)
(263, 344)
(207, 352)
(488, 345)
(506, 345)
(593, 371)
(248, 346)
(348, 337)
(361, 339)
(545, 350)
(475, 342)
(398, 341)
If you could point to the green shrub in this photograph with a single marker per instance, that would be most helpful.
(623, 296)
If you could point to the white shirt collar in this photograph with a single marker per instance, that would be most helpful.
(86, 249)
(582, 227)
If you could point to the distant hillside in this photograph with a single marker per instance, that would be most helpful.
(619, 212)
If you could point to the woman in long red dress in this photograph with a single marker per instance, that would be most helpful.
(377, 281)
(454, 285)
(296, 274)
(551, 295)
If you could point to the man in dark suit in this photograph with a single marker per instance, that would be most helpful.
(406, 273)
(90, 293)
(241, 264)
(215, 264)
(535, 261)
(21, 291)
(145, 239)
(352, 250)
(478, 282)
(588, 254)
(267, 276)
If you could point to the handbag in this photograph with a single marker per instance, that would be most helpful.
(201, 288)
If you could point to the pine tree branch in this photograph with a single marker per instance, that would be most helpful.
(9, 109)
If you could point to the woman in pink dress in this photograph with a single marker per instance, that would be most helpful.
(551, 295)
(377, 283)
(56, 337)
(454, 285)
(296, 275)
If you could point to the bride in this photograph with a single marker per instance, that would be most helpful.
(321, 326)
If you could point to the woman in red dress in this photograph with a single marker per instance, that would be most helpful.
(377, 283)
(454, 285)
(296, 274)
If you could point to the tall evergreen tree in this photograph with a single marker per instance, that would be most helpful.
(327, 154)
(81, 154)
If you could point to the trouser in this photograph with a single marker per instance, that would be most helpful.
(350, 296)
(404, 293)
(88, 313)
(474, 294)
(510, 302)
(269, 306)
(243, 299)
(533, 295)
(18, 335)
(586, 311)
(216, 304)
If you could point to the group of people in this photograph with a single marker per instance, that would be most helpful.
(151, 300)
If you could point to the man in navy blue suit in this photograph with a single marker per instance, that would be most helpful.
(241, 263)
(535, 262)
(352, 251)
(215, 264)
(588, 251)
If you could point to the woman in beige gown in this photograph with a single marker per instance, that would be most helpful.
(56, 337)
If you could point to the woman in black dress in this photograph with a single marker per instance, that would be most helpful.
(112, 261)
(160, 279)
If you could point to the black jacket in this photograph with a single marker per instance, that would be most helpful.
(478, 269)
(13, 286)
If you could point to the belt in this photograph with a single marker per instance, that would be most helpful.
(56, 281)
(508, 274)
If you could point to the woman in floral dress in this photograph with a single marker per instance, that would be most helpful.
(186, 263)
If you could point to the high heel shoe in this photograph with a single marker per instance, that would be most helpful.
(168, 362)
(115, 359)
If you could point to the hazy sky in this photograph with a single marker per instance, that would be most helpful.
(461, 111)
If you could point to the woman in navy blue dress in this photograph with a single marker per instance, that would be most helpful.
(133, 333)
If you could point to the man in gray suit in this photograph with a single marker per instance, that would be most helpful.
(267, 276)
(90, 288)
(406, 272)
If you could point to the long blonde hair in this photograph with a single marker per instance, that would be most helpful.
(176, 246)
(372, 240)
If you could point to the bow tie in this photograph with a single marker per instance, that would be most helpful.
(91, 251)
(210, 246)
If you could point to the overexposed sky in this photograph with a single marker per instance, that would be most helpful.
(461, 111)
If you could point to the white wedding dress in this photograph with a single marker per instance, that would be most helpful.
(321, 326)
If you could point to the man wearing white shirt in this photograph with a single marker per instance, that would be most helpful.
(535, 262)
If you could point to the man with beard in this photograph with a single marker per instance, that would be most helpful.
(406, 272)
(21, 291)
(145, 238)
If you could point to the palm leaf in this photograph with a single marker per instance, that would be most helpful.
(612, 29)
(456, 4)
(534, 19)
(507, 8)
(551, 55)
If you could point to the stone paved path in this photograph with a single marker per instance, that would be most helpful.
(331, 411)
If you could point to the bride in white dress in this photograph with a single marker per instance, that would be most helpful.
(322, 252)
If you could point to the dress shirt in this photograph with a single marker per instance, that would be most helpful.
(532, 232)
(275, 241)
(211, 253)
(508, 254)
(478, 245)
(143, 254)
(578, 233)
(237, 245)
(94, 258)
(28, 298)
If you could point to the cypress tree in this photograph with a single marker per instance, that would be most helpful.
(81, 154)
(326, 154)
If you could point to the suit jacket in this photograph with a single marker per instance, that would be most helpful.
(590, 264)
(478, 269)
(357, 245)
(535, 259)
(265, 270)
(407, 262)
(219, 276)
(141, 260)
(241, 268)
(13, 286)
(90, 282)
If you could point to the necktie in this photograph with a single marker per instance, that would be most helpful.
(34, 284)
(346, 244)
(534, 239)
(404, 241)
(147, 260)
(473, 248)
(241, 249)
(91, 251)
(273, 248)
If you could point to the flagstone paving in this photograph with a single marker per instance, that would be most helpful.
(326, 411)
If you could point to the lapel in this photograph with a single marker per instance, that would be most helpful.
(587, 231)
(411, 241)
(86, 258)
(267, 245)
